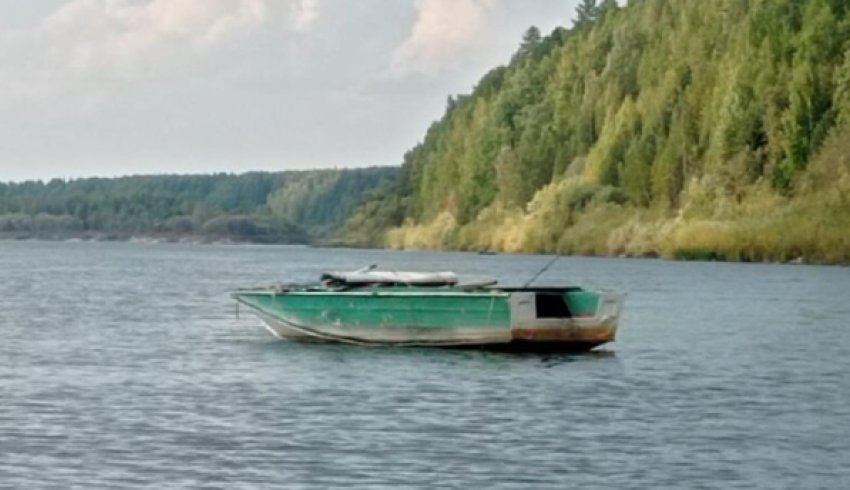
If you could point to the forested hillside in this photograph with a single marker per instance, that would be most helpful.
(686, 128)
(290, 207)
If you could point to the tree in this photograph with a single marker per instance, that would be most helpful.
(531, 37)
(530, 40)
(586, 12)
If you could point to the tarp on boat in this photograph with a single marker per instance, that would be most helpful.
(391, 277)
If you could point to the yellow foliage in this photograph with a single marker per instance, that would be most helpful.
(439, 233)
(625, 121)
(590, 234)
(639, 236)
(828, 176)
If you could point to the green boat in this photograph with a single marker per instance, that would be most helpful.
(435, 309)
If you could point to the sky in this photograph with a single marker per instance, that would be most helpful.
(121, 87)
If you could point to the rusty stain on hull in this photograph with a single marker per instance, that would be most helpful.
(595, 335)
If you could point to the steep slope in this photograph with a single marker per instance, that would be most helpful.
(688, 128)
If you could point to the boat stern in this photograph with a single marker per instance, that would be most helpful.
(568, 320)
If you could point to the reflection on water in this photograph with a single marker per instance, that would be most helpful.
(124, 365)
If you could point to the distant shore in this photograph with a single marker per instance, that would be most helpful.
(142, 238)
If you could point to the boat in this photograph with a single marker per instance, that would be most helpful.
(372, 307)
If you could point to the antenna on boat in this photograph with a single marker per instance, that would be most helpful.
(541, 271)
(366, 269)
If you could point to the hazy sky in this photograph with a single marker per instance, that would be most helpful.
(116, 87)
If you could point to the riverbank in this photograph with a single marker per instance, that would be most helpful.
(183, 238)
(684, 254)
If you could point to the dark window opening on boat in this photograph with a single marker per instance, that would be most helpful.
(551, 305)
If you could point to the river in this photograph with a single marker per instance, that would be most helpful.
(124, 365)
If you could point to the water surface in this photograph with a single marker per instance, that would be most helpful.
(124, 366)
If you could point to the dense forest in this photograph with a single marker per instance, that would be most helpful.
(712, 129)
(283, 207)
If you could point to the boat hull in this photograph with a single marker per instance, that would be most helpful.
(455, 319)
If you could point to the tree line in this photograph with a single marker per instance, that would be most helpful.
(290, 207)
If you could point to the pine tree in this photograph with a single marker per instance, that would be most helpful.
(586, 12)
(530, 40)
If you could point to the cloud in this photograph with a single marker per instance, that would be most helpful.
(444, 31)
(130, 36)
(83, 51)
(304, 14)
